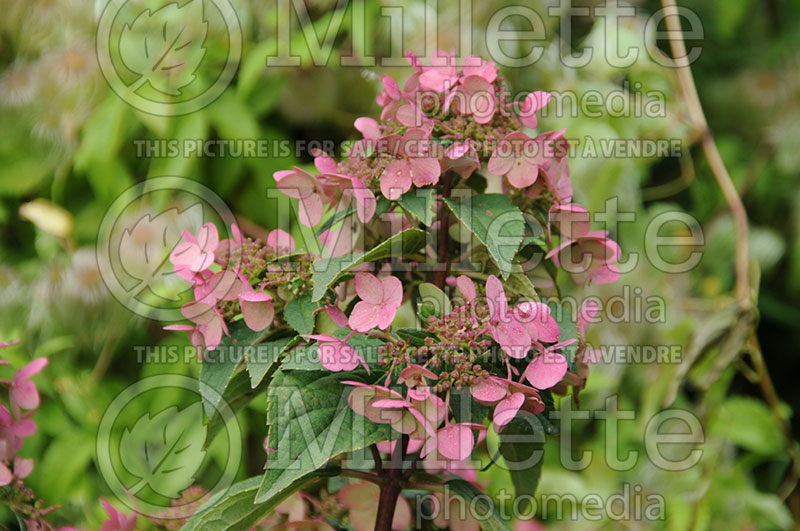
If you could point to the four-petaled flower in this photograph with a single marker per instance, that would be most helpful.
(380, 299)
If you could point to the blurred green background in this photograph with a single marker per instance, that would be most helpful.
(68, 150)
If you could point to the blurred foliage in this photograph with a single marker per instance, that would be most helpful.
(69, 150)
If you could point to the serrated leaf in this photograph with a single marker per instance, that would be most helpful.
(165, 46)
(309, 424)
(328, 271)
(476, 500)
(220, 364)
(164, 451)
(419, 202)
(496, 222)
(235, 508)
(263, 358)
(522, 448)
(299, 313)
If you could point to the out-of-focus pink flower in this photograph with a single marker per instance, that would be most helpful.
(293, 507)
(22, 467)
(586, 314)
(532, 103)
(6, 476)
(380, 299)
(281, 241)
(116, 521)
(369, 127)
(510, 334)
(301, 185)
(474, 65)
(571, 220)
(335, 354)
(589, 258)
(518, 157)
(361, 500)
(23, 391)
(195, 254)
(441, 74)
(415, 163)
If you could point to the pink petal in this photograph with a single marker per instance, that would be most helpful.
(512, 337)
(184, 253)
(370, 288)
(280, 239)
(546, 370)
(23, 428)
(33, 367)
(490, 390)
(365, 316)
(392, 290)
(496, 295)
(23, 467)
(25, 395)
(396, 179)
(369, 126)
(572, 220)
(310, 210)
(208, 237)
(338, 356)
(337, 315)
(5, 475)
(507, 409)
(257, 310)
(212, 333)
(425, 171)
(586, 313)
(386, 315)
(467, 287)
(455, 442)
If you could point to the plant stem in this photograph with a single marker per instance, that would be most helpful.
(390, 490)
(442, 264)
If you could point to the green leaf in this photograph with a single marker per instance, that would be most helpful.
(435, 297)
(299, 313)
(522, 447)
(328, 271)
(496, 222)
(748, 423)
(237, 395)
(235, 508)
(220, 364)
(336, 218)
(568, 329)
(264, 357)
(164, 451)
(309, 424)
(419, 202)
(485, 510)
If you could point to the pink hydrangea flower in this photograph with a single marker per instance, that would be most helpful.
(441, 74)
(454, 441)
(462, 158)
(536, 318)
(549, 367)
(415, 163)
(532, 103)
(380, 299)
(588, 256)
(475, 65)
(281, 241)
(195, 254)
(116, 520)
(209, 322)
(258, 310)
(23, 391)
(517, 157)
(335, 354)
(505, 329)
(307, 189)
(474, 96)
(508, 397)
